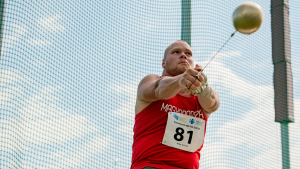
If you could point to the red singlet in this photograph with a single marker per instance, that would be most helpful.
(149, 129)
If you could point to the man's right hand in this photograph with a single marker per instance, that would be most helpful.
(188, 80)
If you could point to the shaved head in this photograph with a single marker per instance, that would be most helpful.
(178, 58)
(169, 47)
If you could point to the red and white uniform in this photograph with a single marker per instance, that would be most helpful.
(149, 129)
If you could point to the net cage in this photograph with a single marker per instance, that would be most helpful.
(70, 71)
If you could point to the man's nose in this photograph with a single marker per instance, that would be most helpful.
(183, 56)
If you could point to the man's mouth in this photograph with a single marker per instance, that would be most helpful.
(183, 62)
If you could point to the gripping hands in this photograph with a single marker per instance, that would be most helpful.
(204, 90)
(194, 81)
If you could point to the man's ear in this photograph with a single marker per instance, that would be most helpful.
(163, 63)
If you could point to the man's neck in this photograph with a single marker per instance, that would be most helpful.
(164, 73)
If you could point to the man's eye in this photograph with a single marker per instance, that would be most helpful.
(176, 52)
(189, 54)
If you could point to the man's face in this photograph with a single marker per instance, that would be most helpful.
(179, 58)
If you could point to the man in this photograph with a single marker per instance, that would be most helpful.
(170, 121)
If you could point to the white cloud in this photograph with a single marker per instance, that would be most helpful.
(127, 107)
(8, 93)
(54, 130)
(37, 63)
(50, 89)
(13, 39)
(294, 129)
(15, 164)
(218, 74)
(68, 158)
(51, 23)
(229, 54)
(19, 29)
(296, 74)
(149, 27)
(40, 117)
(78, 156)
(9, 77)
(273, 156)
(38, 42)
(129, 88)
(9, 41)
(268, 159)
(256, 130)
(127, 130)
(10, 38)
(10, 136)
(41, 122)
(295, 155)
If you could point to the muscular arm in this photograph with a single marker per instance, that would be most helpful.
(210, 105)
(153, 88)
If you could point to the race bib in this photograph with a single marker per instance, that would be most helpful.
(184, 132)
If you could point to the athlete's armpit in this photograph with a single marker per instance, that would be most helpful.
(206, 113)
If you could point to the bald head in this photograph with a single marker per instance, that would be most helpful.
(170, 46)
(178, 58)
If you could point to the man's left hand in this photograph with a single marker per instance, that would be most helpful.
(204, 90)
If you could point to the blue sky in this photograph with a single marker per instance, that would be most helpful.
(70, 70)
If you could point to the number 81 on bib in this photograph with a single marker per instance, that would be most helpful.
(184, 132)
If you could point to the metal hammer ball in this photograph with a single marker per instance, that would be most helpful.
(247, 17)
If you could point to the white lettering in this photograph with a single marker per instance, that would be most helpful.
(164, 108)
(170, 108)
(188, 112)
(196, 113)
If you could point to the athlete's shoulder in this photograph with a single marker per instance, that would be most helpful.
(151, 78)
